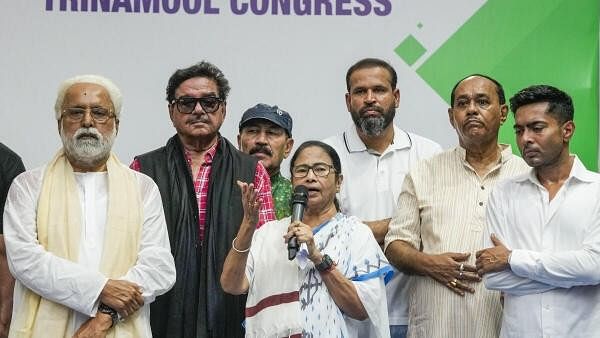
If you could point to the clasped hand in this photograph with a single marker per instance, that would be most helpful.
(451, 270)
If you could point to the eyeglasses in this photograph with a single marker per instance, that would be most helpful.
(99, 114)
(319, 169)
(186, 105)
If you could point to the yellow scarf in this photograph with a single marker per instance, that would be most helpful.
(59, 228)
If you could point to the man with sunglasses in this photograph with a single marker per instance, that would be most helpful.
(196, 172)
(86, 237)
(266, 133)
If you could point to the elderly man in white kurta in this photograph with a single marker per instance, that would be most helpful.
(441, 215)
(85, 236)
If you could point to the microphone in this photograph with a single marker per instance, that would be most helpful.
(299, 200)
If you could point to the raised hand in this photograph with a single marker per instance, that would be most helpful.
(250, 203)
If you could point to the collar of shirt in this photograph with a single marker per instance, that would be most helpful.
(505, 155)
(578, 171)
(355, 144)
(208, 156)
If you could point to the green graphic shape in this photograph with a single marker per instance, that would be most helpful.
(521, 43)
(410, 50)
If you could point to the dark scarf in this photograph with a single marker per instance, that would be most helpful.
(197, 305)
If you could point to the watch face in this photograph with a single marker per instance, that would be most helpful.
(325, 264)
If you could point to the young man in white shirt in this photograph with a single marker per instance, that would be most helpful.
(544, 227)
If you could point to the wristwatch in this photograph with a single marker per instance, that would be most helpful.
(326, 264)
(114, 316)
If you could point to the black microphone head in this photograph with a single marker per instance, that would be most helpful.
(300, 195)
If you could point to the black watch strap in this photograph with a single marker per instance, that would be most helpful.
(103, 308)
(326, 264)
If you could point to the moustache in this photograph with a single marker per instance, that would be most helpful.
(261, 149)
(198, 118)
(375, 108)
(87, 132)
(473, 120)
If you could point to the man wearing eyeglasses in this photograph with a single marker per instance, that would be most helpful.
(86, 237)
(196, 172)
(266, 133)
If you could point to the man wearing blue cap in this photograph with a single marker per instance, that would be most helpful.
(266, 133)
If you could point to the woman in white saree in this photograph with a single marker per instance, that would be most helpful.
(335, 285)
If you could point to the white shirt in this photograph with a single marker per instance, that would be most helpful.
(551, 287)
(371, 186)
(78, 285)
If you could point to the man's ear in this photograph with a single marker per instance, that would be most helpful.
(171, 111)
(503, 113)
(568, 129)
(348, 99)
(451, 117)
(289, 144)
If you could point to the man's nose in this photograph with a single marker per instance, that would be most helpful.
(261, 138)
(87, 120)
(472, 108)
(369, 97)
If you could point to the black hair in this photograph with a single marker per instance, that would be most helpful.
(335, 160)
(200, 69)
(560, 104)
(372, 63)
(499, 89)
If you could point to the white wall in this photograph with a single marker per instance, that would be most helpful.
(296, 62)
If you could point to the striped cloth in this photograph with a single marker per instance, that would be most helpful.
(442, 209)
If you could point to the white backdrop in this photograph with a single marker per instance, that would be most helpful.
(296, 62)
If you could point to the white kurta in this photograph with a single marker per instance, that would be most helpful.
(551, 287)
(442, 209)
(371, 187)
(77, 285)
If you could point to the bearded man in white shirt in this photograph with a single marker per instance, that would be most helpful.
(544, 227)
(375, 155)
(85, 235)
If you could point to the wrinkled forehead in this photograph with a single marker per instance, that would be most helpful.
(87, 93)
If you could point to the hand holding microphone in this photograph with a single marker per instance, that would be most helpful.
(299, 200)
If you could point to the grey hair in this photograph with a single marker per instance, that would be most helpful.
(113, 91)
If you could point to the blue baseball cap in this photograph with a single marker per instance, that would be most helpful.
(270, 113)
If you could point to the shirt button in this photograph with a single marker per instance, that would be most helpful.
(482, 187)
(480, 203)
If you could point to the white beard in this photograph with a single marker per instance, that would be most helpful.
(90, 150)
